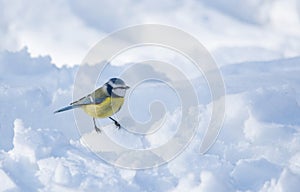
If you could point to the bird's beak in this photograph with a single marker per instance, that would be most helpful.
(126, 87)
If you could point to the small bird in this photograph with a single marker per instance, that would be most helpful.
(103, 102)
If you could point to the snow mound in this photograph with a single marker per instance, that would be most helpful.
(257, 149)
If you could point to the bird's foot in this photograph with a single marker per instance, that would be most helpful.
(98, 130)
(117, 124)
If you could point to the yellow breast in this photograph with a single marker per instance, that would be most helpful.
(105, 109)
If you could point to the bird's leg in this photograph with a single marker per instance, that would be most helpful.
(96, 128)
(116, 123)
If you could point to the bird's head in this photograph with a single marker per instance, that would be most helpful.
(116, 87)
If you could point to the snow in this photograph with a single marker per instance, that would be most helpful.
(258, 148)
(251, 174)
(6, 182)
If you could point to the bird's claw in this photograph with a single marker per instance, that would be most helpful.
(118, 125)
(97, 129)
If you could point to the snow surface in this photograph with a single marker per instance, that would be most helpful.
(258, 148)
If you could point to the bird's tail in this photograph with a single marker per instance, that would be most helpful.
(66, 108)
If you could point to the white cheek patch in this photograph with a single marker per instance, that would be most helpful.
(111, 84)
(119, 92)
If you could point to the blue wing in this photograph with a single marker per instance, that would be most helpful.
(96, 97)
(87, 100)
(80, 102)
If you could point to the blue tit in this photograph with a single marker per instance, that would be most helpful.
(103, 102)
